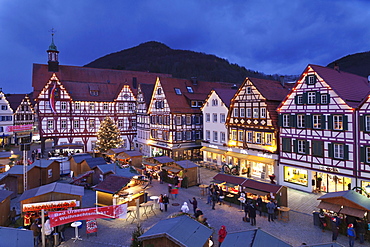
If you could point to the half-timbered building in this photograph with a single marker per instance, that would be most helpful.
(215, 111)
(253, 127)
(6, 119)
(320, 131)
(72, 101)
(176, 121)
(364, 142)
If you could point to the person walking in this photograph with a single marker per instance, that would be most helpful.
(252, 213)
(351, 233)
(259, 204)
(361, 228)
(246, 212)
(160, 202)
(221, 234)
(221, 196)
(194, 203)
(170, 190)
(166, 200)
(335, 223)
(271, 210)
(175, 192)
(47, 230)
(12, 215)
(36, 232)
(322, 220)
(185, 208)
(209, 194)
(214, 199)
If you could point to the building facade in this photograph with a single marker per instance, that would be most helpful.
(6, 120)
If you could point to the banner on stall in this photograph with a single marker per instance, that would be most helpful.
(62, 217)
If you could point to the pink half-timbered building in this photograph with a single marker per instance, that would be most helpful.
(319, 132)
(72, 101)
(364, 142)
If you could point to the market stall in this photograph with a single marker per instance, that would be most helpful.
(114, 190)
(185, 171)
(5, 196)
(130, 158)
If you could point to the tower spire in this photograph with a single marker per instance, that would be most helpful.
(53, 63)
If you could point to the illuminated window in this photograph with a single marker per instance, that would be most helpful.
(91, 106)
(268, 139)
(178, 91)
(316, 120)
(50, 124)
(92, 123)
(76, 124)
(338, 122)
(190, 89)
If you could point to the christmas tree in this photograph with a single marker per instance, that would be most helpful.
(135, 234)
(109, 136)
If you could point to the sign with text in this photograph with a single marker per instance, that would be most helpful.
(67, 216)
(49, 205)
(91, 226)
(14, 128)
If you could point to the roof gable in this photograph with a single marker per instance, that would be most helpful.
(112, 184)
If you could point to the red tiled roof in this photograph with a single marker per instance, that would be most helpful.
(79, 80)
(15, 100)
(180, 103)
(350, 87)
(225, 95)
(271, 90)
(112, 184)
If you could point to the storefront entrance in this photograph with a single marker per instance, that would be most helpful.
(330, 182)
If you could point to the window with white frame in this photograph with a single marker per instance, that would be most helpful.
(255, 112)
(92, 106)
(300, 99)
(188, 120)
(286, 122)
(300, 120)
(311, 98)
(367, 153)
(222, 118)
(215, 117)
(105, 106)
(240, 135)
(178, 120)
(301, 146)
(324, 99)
(338, 122)
(121, 106)
(63, 105)
(76, 124)
(214, 102)
(131, 106)
(263, 112)
(50, 124)
(63, 124)
(258, 138)
(249, 112)
(234, 135)
(242, 112)
(159, 91)
(120, 123)
(249, 136)
(222, 137)
(179, 136)
(208, 135)
(367, 123)
(208, 117)
(316, 121)
(311, 80)
(338, 149)
(188, 135)
(215, 136)
(268, 139)
(236, 112)
(77, 106)
(92, 123)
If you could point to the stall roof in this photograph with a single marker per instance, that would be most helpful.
(115, 151)
(129, 154)
(229, 179)
(93, 162)
(112, 184)
(329, 206)
(163, 159)
(127, 172)
(255, 192)
(6, 155)
(252, 238)
(349, 198)
(53, 187)
(5, 194)
(78, 158)
(186, 164)
(16, 237)
(257, 185)
(182, 230)
(69, 145)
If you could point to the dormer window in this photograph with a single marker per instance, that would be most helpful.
(310, 79)
(190, 89)
(249, 90)
(94, 92)
(159, 91)
(177, 91)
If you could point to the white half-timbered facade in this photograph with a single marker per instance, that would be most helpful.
(6, 119)
(364, 142)
(319, 131)
(215, 111)
(253, 128)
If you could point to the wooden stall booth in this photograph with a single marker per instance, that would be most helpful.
(130, 158)
(154, 166)
(115, 190)
(186, 172)
(5, 196)
(9, 182)
(230, 185)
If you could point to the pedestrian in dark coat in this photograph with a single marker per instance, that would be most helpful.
(165, 200)
(195, 204)
(214, 199)
(271, 210)
(198, 213)
(335, 223)
(259, 204)
(252, 213)
(361, 228)
(322, 220)
(246, 210)
(36, 232)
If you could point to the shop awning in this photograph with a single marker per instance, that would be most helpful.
(213, 150)
(237, 155)
(251, 157)
(261, 186)
(329, 206)
(229, 179)
(353, 212)
(255, 192)
(174, 170)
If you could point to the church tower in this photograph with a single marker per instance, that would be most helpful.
(53, 55)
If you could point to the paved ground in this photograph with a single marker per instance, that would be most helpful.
(300, 229)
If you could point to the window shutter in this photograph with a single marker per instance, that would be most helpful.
(304, 98)
(183, 120)
(193, 135)
(330, 122)
(308, 121)
(318, 97)
(330, 150)
(363, 154)
(345, 122)
(192, 119)
(307, 147)
(184, 135)
(280, 120)
(296, 99)
(328, 98)
(323, 121)
(295, 146)
(306, 80)
(293, 120)
(346, 152)
(362, 123)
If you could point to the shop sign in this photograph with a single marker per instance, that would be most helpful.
(67, 216)
(265, 155)
(230, 149)
(242, 151)
(329, 169)
(49, 205)
(213, 146)
(14, 128)
(91, 226)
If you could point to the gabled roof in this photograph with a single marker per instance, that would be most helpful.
(18, 169)
(127, 172)
(229, 179)
(15, 100)
(5, 154)
(225, 94)
(271, 90)
(350, 87)
(252, 238)
(79, 80)
(147, 91)
(44, 163)
(78, 158)
(5, 194)
(93, 162)
(352, 196)
(112, 184)
(53, 187)
(116, 150)
(164, 159)
(186, 164)
(182, 230)
(180, 103)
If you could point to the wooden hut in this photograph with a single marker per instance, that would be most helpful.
(179, 231)
(9, 182)
(251, 238)
(101, 172)
(5, 196)
(82, 166)
(4, 160)
(132, 158)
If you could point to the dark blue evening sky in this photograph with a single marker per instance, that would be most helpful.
(273, 37)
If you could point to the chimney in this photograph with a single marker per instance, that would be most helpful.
(194, 81)
(282, 80)
(336, 66)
